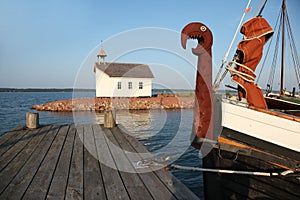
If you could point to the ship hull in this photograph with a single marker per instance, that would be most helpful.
(233, 186)
(280, 104)
(252, 141)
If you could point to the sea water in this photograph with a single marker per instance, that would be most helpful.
(165, 133)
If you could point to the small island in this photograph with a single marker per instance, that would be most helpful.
(161, 101)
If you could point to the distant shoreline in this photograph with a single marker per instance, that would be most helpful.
(45, 90)
(154, 91)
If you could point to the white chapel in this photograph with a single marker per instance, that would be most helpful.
(122, 79)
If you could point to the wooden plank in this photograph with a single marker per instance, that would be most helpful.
(10, 140)
(12, 152)
(75, 181)
(8, 135)
(26, 164)
(157, 189)
(93, 184)
(170, 181)
(38, 187)
(12, 168)
(134, 185)
(114, 186)
(127, 145)
(59, 182)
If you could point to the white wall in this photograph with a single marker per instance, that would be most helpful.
(108, 86)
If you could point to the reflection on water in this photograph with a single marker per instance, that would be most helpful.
(143, 124)
(165, 133)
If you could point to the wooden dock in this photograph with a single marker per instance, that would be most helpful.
(52, 162)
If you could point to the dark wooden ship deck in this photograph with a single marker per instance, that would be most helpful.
(52, 162)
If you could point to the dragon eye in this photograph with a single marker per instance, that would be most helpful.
(203, 28)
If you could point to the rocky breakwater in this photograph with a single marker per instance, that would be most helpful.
(102, 104)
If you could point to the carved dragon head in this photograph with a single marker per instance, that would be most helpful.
(201, 33)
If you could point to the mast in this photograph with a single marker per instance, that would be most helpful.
(282, 48)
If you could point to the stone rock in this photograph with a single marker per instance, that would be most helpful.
(164, 101)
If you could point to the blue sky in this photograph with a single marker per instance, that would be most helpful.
(45, 44)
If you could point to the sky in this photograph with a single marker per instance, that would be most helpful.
(53, 43)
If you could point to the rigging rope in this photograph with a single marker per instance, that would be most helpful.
(262, 8)
(267, 53)
(273, 66)
(259, 6)
(293, 49)
(216, 82)
(242, 75)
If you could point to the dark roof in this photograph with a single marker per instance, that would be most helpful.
(125, 70)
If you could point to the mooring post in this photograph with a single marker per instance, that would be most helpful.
(32, 120)
(293, 92)
(109, 119)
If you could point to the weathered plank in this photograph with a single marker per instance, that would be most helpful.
(38, 187)
(93, 184)
(26, 164)
(114, 186)
(75, 181)
(18, 146)
(10, 141)
(171, 182)
(9, 171)
(134, 185)
(9, 134)
(151, 181)
(59, 182)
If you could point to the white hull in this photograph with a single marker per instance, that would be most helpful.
(273, 129)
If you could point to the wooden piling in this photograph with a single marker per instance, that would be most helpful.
(109, 119)
(32, 120)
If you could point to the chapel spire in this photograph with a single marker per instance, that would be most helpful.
(101, 56)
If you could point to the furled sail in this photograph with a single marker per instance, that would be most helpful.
(256, 33)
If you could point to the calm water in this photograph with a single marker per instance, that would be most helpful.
(164, 133)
